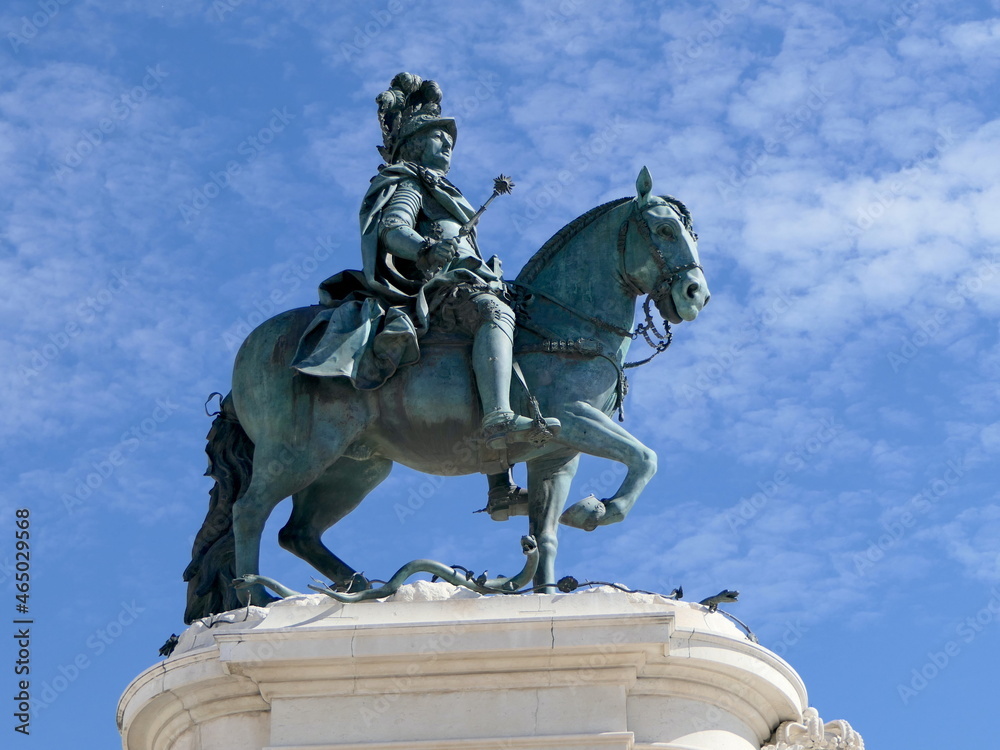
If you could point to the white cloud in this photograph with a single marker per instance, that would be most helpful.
(809, 306)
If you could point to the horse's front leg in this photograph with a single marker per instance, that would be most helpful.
(549, 479)
(591, 431)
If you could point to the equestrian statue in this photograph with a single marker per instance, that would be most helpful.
(430, 358)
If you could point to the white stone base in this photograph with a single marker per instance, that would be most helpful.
(440, 668)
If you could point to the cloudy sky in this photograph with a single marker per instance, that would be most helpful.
(828, 430)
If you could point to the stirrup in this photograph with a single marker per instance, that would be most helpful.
(506, 501)
(503, 428)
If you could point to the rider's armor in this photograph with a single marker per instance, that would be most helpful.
(410, 108)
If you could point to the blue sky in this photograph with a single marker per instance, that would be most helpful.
(828, 429)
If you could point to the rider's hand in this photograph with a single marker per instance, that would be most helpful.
(442, 252)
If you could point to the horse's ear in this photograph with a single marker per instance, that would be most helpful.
(643, 186)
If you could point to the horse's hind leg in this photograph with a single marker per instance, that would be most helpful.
(319, 506)
(278, 472)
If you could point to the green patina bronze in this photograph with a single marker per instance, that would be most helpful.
(422, 268)
(409, 361)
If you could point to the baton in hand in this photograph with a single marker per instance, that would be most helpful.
(502, 185)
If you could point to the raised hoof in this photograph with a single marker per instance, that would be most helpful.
(585, 514)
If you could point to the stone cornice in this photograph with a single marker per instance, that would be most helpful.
(302, 661)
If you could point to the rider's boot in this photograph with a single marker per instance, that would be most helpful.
(505, 498)
(492, 358)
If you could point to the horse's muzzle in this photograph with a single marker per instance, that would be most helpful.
(666, 307)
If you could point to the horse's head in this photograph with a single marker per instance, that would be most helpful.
(661, 253)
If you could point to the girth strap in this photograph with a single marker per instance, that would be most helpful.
(582, 348)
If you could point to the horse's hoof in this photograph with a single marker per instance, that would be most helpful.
(612, 514)
(585, 514)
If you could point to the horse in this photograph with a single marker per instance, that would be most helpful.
(328, 445)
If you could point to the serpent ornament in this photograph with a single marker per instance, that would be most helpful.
(480, 585)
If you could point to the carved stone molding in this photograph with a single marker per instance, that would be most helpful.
(447, 670)
(812, 734)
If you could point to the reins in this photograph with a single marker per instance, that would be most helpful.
(656, 340)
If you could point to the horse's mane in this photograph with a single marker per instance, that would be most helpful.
(685, 214)
(561, 238)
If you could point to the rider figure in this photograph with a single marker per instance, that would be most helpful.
(418, 257)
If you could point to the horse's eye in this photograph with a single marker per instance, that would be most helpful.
(666, 233)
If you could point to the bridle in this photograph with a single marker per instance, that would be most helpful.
(668, 274)
(658, 341)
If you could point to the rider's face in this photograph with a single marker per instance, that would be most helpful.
(437, 150)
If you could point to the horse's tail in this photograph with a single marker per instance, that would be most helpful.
(230, 463)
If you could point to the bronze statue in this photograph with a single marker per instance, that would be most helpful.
(408, 340)
(421, 257)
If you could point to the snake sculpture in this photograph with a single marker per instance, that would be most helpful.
(481, 585)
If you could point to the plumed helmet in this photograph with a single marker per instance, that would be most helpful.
(409, 106)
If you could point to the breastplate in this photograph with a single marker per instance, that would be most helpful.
(435, 221)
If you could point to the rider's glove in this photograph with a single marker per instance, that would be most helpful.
(438, 253)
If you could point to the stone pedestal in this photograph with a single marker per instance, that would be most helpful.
(440, 668)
